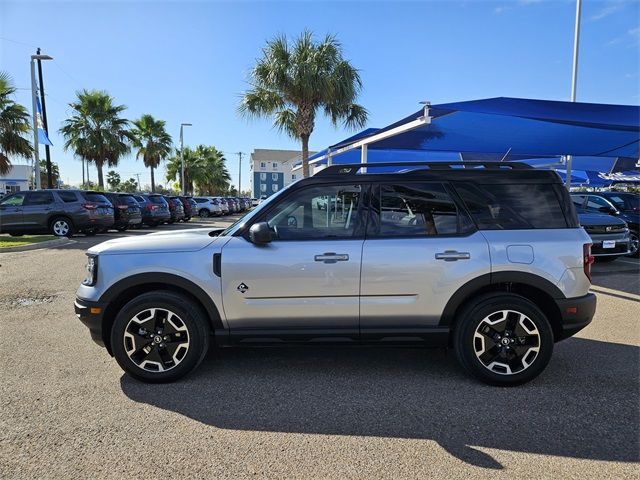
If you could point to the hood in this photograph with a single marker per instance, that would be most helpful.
(588, 219)
(172, 241)
(630, 216)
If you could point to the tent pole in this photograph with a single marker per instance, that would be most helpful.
(363, 157)
(574, 79)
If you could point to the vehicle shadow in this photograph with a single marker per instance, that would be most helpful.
(585, 405)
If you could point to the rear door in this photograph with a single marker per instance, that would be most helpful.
(420, 248)
(305, 283)
(37, 210)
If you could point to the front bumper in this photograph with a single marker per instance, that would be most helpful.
(91, 314)
(576, 313)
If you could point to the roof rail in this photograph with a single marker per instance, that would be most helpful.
(353, 168)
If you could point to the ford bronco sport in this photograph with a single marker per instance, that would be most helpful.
(486, 258)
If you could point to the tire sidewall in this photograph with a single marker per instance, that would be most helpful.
(480, 309)
(190, 314)
(61, 219)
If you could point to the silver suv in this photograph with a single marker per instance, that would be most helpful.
(486, 258)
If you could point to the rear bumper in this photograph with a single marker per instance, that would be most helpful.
(576, 313)
(91, 314)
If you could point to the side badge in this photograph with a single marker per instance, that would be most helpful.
(242, 287)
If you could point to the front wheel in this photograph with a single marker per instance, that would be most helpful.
(159, 337)
(634, 244)
(503, 339)
(61, 227)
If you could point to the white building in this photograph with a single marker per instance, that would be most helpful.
(16, 180)
(270, 171)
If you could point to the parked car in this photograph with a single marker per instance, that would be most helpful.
(208, 207)
(175, 209)
(126, 210)
(609, 235)
(189, 205)
(224, 206)
(255, 202)
(57, 212)
(603, 202)
(453, 257)
(155, 209)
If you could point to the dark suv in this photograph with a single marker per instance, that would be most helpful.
(155, 209)
(621, 205)
(126, 210)
(58, 212)
(176, 209)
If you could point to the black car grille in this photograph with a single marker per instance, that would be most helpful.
(605, 228)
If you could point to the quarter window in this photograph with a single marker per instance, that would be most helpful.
(316, 213)
(416, 209)
(68, 197)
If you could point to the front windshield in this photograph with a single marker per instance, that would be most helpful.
(231, 229)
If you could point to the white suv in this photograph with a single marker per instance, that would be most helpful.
(207, 207)
(489, 260)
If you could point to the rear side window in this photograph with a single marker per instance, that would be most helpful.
(68, 197)
(128, 200)
(138, 198)
(513, 207)
(416, 210)
(39, 198)
(96, 197)
(201, 200)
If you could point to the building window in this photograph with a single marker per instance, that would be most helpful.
(293, 176)
(274, 188)
(263, 176)
(275, 164)
(263, 188)
(274, 177)
(263, 164)
(13, 188)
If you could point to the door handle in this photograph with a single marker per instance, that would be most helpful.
(331, 257)
(452, 256)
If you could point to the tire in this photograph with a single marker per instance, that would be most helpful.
(123, 228)
(61, 227)
(89, 233)
(203, 213)
(16, 234)
(485, 358)
(634, 246)
(132, 334)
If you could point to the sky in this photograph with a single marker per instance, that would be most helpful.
(189, 61)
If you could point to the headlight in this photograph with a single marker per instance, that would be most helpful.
(92, 271)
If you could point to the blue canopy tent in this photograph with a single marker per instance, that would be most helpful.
(504, 127)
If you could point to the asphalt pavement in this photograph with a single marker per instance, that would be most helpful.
(68, 411)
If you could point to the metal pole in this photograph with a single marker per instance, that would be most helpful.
(574, 80)
(182, 189)
(363, 156)
(239, 170)
(44, 121)
(36, 153)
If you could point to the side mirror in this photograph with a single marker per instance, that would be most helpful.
(260, 233)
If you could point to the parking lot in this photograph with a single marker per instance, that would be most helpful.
(329, 412)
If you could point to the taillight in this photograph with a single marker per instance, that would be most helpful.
(587, 260)
(122, 207)
(151, 207)
(89, 206)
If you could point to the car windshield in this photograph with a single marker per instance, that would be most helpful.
(625, 201)
(231, 229)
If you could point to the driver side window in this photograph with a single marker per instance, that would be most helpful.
(321, 212)
(15, 200)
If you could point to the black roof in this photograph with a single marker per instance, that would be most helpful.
(480, 172)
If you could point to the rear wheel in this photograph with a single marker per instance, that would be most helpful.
(122, 228)
(61, 227)
(503, 339)
(159, 337)
(203, 213)
(634, 244)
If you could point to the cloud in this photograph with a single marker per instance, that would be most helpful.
(634, 32)
(607, 10)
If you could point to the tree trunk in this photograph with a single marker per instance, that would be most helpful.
(305, 155)
(153, 181)
(100, 177)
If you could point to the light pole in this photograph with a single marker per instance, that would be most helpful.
(34, 93)
(574, 81)
(182, 125)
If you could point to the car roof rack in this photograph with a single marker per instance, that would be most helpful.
(353, 168)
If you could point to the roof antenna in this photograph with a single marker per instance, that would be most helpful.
(506, 155)
(426, 104)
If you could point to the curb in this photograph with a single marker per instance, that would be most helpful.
(36, 246)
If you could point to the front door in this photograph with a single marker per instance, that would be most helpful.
(11, 212)
(38, 208)
(305, 283)
(420, 249)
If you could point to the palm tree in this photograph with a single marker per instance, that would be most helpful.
(14, 124)
(96, 132)
(291, 82)
(152, 141)
(203, 166)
